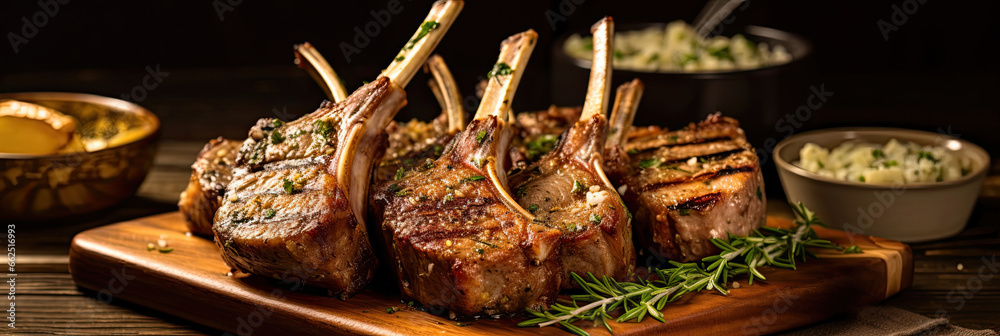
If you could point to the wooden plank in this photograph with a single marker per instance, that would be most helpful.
(81, 315)
(192, 282)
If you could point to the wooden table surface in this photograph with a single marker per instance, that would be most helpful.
(947, 276)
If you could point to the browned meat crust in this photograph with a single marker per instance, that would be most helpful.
(457, 246)
(210, 174)
(688, 186)
(564, 191)
(290, 211)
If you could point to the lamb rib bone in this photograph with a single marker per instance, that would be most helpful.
(446, 91)
(308, 58)
(306, 180)
(626, 104)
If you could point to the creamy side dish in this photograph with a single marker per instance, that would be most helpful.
(893, 163)
(678, 49)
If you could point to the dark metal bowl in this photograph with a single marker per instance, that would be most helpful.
(757, 97)
(45, 187)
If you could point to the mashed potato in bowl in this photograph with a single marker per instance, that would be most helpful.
(892, 163)
(677, 48)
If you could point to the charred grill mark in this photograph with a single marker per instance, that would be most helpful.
(697, 203)
(647, 147)
(706, 157)
(703, 177)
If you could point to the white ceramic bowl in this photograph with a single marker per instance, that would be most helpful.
(907, 213)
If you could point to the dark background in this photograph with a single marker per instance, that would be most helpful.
(938, 71)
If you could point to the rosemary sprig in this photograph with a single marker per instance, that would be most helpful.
(740, 256)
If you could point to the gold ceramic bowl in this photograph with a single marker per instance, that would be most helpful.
(44, 187)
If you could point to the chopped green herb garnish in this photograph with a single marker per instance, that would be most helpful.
(532, 208)
(632, 151)
(649, 163)
(480, 137)
(239, 217)
(480, 251)
(926, 156)
(400, 173)
(721, 53)
(424, 198)
(687, 59)
(821, 165)
(595, 218)
(861, 178)
(475, 178)
(288, 185)
(877, 153)
(269, 213)
(521, 191)
(570, 226)
(685, 212)
(892, 163)
(425, 28)
(322, 128)
(673, 138)
(760, 195)
(277, 138)
(578, 186)
(449, 197)
(678, 168)
(853, 249)
(399, 58)
(501, 69)
(390, 310)
(540, 146)
(275, 123)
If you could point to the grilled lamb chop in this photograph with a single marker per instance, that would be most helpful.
(415, 143)
(457, 238)
(213, 169)
(300, 206)
(688, 186)
(567, 189)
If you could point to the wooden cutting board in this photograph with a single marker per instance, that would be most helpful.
(192, 282)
